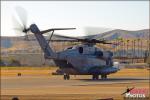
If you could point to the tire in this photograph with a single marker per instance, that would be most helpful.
(103, 76)
(65, 77)
(68, 77)
(95, 77)
(19, 74)
(15, 98)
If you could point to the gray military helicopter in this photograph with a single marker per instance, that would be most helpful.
(82, 59)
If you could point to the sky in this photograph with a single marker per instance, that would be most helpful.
(127, 15)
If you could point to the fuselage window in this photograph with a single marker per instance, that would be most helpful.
(99, 53)
(109, 62)
(81, 50)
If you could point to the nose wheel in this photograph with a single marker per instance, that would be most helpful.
(66, 77)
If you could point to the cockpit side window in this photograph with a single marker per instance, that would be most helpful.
(80, 50)
(69, 48)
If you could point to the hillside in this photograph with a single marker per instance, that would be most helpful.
(114, 34)
(8, 42)
(19, 49)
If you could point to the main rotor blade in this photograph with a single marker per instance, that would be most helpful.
(66, 37)
(53, 29)
(64, 41)
(107, 43)
(86, 40)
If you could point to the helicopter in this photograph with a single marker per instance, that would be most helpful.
(82, 59)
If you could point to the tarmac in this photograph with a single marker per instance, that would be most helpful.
(55, 86)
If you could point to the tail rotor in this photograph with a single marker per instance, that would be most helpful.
(20, 26)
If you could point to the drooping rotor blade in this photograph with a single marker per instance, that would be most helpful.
(80, 39)
(107, 43)
(64, 40)
(53, 29)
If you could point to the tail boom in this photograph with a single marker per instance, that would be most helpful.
(42, 41)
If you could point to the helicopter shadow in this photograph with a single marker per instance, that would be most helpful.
(115, 79)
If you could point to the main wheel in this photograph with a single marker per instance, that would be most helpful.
(68, 77)
(103, 76)
(95, 77)
(65, 77)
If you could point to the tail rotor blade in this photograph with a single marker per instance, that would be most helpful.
(17, 27)
(16, 23)
(22, 14)
(20, 28)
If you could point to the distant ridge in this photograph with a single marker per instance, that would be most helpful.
(21, 50)
(118, 33)
(7, 42)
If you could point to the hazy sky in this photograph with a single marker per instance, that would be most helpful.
(128, 15)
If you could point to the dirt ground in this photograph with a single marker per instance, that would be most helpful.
(48, 71)
(39, 84)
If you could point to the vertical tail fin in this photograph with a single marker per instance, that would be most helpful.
(42, 41)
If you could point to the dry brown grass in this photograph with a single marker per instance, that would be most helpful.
(13, 71)
(132, 73)
(75, 92)
(89, 92)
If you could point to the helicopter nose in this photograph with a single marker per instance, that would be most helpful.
(106, 70)
(114, 69)
(109, 70)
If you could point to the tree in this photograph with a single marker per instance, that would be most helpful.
(2, 62)
(121, 47)
(141, 46)
(127, 47)
(124, 47)
(134, 48)
(138, 46)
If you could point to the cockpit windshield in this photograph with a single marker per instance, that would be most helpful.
(69, 48)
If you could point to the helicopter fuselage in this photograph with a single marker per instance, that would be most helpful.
(85, 59)
(79, 59)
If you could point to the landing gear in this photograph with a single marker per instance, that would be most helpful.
(95, 77)
(103, 76)
(66, 76)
